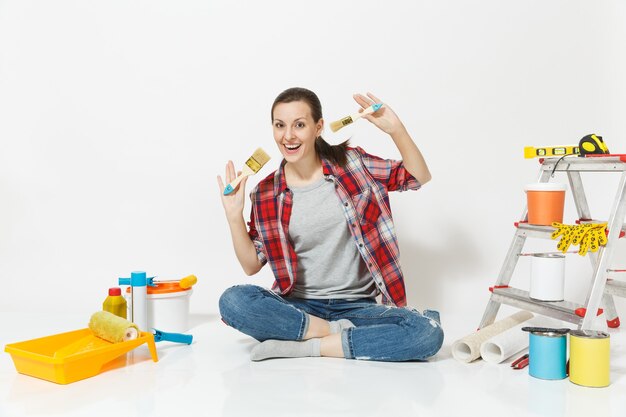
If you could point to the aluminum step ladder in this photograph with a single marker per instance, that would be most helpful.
(601, 290)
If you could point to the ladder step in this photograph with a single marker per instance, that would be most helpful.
(614, 287)
(622, 232)
(562, 310)
(576, 164)
(531, 230)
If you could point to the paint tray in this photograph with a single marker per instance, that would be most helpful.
(69, 357)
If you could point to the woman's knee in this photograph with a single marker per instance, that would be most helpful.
(236, 300)
(426, 336)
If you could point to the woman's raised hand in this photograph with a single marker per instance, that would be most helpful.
(385, 118)
(234, 202)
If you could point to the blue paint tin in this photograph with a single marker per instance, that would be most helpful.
(547, 356)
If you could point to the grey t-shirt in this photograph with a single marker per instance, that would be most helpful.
(329, 264)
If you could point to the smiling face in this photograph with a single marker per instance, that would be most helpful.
(295, 131)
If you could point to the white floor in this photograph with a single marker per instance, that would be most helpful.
(214, 377)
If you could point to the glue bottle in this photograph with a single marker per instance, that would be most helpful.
(115, 303)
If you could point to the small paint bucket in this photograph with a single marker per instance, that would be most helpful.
(589, 358)
(168, 306)
(546, 201)
(547, 277)
(547, 355)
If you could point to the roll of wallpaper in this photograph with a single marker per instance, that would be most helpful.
(467, 349)
(501, 347)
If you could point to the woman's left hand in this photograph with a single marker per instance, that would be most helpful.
(385, 118)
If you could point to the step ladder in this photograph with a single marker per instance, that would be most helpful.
(601, 289)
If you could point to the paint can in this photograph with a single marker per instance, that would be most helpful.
(546, 201)
(168, 306)
(547, 277)
(547, 355)
(589, 358)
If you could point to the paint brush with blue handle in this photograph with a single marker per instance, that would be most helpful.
(252, 166)
(335, 126)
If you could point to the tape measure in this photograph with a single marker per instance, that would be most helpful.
(593, 144)
(590, 144)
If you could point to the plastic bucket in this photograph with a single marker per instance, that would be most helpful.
(589, 358)
(547, 277)
(546, 201)
(168, 307)
(547, 353)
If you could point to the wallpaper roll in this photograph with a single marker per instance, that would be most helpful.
(501, 347)
(467, 349)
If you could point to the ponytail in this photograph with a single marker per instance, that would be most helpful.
(337, 154)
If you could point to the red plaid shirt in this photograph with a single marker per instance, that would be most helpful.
(362, 186)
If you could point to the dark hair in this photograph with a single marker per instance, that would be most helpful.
(334, 153)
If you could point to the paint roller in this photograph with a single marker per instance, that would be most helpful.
(110, 327)
(184, 283)
(116, 329)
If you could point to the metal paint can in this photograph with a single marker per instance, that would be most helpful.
(547, 355)
(547, 277)
(589, 358)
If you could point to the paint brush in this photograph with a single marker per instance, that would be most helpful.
(335, 126)
(252, 166)
(530, 329)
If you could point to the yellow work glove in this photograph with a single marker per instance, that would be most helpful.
(590, 236)
(592, 240)
(565, 231)
(602, 238)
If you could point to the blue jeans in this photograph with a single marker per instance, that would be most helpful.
(381, 333)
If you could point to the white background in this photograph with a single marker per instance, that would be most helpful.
(116, 117)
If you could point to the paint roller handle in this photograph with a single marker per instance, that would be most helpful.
(160, 336)
(187, 282)
(546, 330)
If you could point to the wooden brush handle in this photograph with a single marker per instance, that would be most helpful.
(245, 172)
(368, 110)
